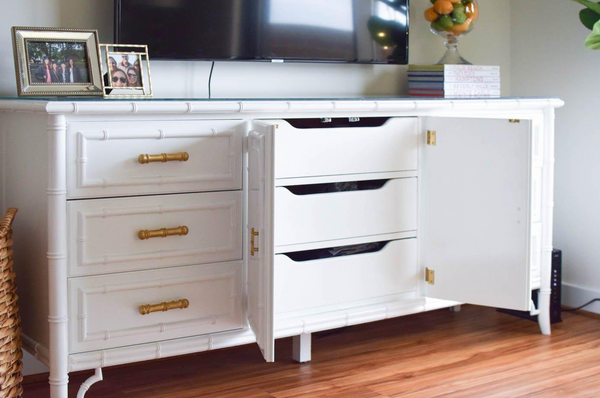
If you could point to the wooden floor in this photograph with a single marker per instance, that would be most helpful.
(475, 353)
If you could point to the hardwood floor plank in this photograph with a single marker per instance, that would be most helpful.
(475, 353)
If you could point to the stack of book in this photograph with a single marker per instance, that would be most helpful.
(454, 81)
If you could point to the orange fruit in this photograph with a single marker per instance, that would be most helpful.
(431, 15)
(459, 29)
(454, 1)
(443, 7)
(472, 11)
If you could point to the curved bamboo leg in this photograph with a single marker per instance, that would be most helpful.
(85, 386)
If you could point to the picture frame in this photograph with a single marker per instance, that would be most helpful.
(57, 62)
(126, 71)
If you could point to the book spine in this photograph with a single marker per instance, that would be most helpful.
(457, 74)
(458, 79)
(455, 93)
(454, 86)
(453, 68)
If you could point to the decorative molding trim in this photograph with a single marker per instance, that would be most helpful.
(164, 349)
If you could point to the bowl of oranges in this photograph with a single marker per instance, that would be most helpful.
(452, 19)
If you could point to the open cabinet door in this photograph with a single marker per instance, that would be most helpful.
(261, 186)
(475, 214)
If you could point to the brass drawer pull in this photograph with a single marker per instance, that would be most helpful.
(164, 307)
(164, 158)
(253, 248)
(163, 232)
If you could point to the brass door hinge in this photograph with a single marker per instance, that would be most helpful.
(431, 138)
(430, 276)
(514, 120)
(253, 248)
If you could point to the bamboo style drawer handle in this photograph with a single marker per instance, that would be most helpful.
(253, 248)
(164, 307)
(164, 158)
(163, 232)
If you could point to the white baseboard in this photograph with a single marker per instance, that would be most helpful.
(575, 296)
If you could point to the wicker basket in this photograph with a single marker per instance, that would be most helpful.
(10, 324)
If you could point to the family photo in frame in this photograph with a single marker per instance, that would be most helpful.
(126, 70)
(57, 62)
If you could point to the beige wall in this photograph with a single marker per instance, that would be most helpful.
(549, 59)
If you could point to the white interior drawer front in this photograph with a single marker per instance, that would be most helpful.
(345, 280)
(104, 158)
(128, 234)
(335, 151)
(304, 218)
(105, 311)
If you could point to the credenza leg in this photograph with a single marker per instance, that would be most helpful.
(85, 386)
(544, 315)
(302, 348)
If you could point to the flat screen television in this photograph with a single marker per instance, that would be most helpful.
(351, 31)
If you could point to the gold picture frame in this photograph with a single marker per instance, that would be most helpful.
(126, 71)
(57, 62)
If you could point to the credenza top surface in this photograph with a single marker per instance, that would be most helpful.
(94, 105)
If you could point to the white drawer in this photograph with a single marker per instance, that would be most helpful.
(328, 216)
(345, 280)
(103, 157)
(335, 151)
(104, 311)
(103, 233)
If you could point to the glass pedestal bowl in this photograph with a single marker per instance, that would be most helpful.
(452, 19)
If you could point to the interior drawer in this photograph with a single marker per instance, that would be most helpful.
(104, 158)
(309, 152)
(303, 216)
(104, 234)
(302, 285)
(104, 311)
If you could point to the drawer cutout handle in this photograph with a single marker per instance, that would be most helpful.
(164, 158)
(336, 252)
(145, 234)
(164, 307)
(337, 187)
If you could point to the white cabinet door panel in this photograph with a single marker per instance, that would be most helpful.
(261, 186)
(475, 223)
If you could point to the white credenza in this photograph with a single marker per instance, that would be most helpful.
(156, 228)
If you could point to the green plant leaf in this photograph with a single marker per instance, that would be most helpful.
(589, 18)
(589, 4)
(593, 40)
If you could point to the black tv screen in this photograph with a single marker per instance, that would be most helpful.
(357, 31)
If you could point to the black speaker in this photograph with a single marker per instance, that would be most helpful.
(555, 297)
